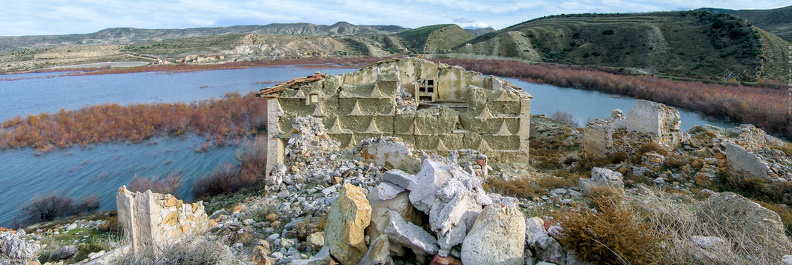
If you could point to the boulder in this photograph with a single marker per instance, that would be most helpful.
(493, 240)
(601, 177)
(380, 215)
(63, 253)
(378, 253)
(411, 236)
(347, 219)
(739, 217)
(740, 160)
(429, 180)
(451, 221)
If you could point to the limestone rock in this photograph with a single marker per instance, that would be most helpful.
(380, 214)
(451, 221)
(14, 245)
(411, 236)
(346, 220)
(537, 238)
(737, 214)
(601, 177)
(315, 240)
(399, 178)
(388, 151)
(378, 253)
(744, 162)
(63, 253)
(787, 259)
(493, 240)
(429, 180)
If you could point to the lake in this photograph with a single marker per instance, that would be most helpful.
(101, 169)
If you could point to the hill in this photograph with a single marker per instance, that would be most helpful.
(131, 35)
(776, 21)
(435, 38)
(689, 43)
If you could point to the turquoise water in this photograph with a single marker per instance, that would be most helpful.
(101, 169)
(587, 105)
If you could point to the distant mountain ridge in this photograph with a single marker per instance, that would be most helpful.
(776, 21)
(131, 35)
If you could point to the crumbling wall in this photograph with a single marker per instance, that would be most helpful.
(647, 121)
(467, 111)
(153, 220)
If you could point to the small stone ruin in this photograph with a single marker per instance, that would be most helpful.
(647, 121)
(153, 220)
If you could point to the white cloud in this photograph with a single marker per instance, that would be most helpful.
(37, 17)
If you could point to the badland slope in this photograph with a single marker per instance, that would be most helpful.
(689, 43)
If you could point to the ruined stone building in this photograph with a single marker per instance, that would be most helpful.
(434, 107)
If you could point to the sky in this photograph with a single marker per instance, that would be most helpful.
(52, 17)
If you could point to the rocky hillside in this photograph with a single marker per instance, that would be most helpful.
(695, 43)
(776, 21)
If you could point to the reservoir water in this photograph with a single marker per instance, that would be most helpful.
(101, 169)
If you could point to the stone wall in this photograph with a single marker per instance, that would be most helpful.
(647, 121)
(467, 110)
(152, 220)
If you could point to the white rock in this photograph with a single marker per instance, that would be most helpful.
(399, 178)
(787, 259)
(410, 235)
(451, 221)
(431, 177)
(387, 191)
(492, 239)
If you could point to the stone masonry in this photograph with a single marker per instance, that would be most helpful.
(660, 122)
(433, 107)
(153, 220)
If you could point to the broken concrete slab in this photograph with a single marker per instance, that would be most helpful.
(411, 236)
(400, 178)
(451, 221)
(429, 180)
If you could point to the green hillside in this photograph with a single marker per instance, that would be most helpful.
(434, 38)
(776, 21)
(690, 43)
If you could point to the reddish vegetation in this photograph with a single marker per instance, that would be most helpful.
(217, 120)
(348, 62)
(169, 185)
(764, 107)
(252, 159)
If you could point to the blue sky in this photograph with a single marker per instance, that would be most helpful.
(43, 17)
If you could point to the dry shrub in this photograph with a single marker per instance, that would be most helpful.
(556, 182)
(194, 251)
(674, 215)
(253, 160)
(169, 185)
(786, 148)
(521, 188)
(677, 161)
(565, 117)
(613, 235)
(52, 205)
(224, 179)
(756, 188)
